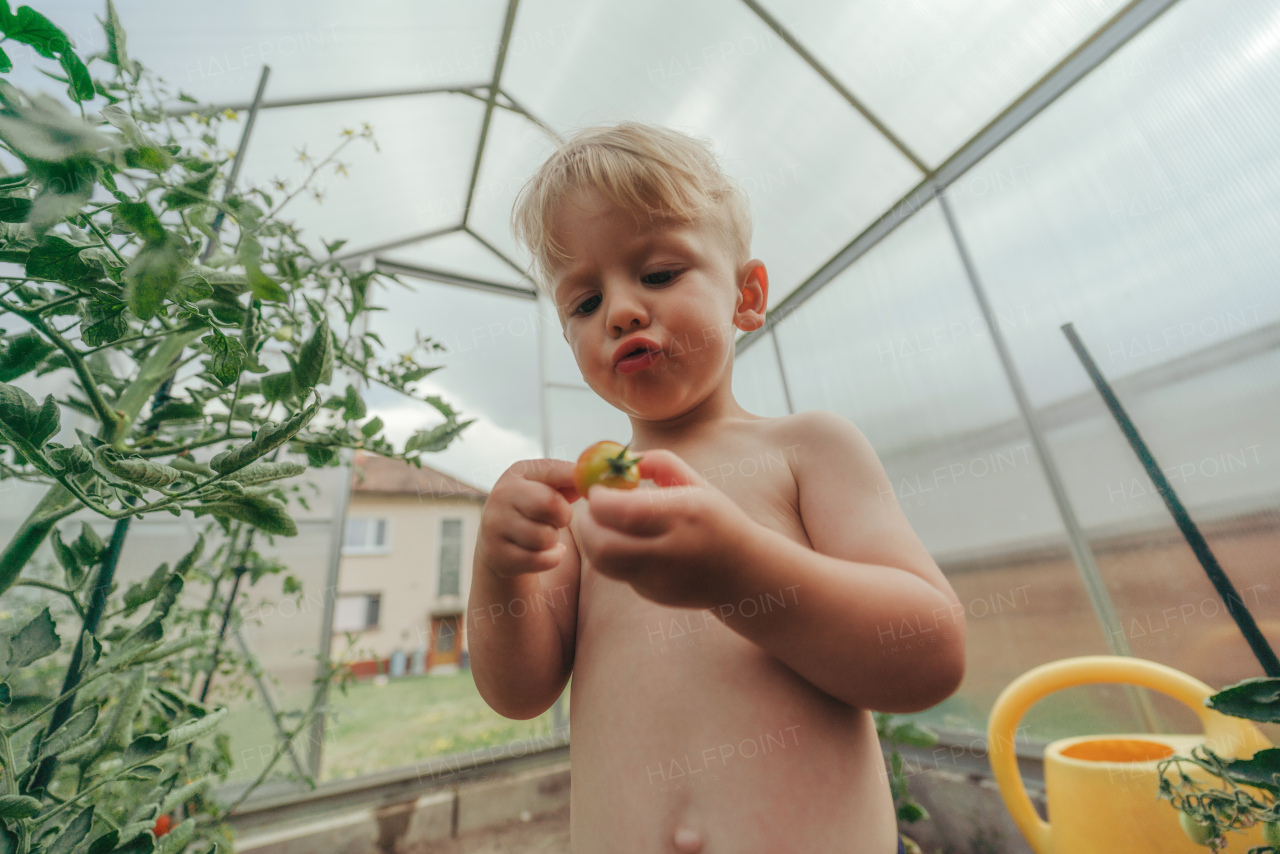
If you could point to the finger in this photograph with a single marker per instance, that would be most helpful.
(612, 553)
(638, 512)
(664, 468)
(538, 503)
(530, 536)
(518, 561)
(555, 473)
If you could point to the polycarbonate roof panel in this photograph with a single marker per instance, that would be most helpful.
(458, 252)
(514, 148)
(816, 171)
(413, 182)
(214, 51)
(1149, 215)
(937, 72)
(898, 344)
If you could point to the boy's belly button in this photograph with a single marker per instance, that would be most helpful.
(687, 840)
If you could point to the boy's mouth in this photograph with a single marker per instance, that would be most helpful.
(635, 354)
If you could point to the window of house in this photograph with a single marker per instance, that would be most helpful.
(366, 536)
(450, 556)
(356, 612)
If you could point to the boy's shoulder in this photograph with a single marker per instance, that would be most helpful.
(814, 431)
(823, 445)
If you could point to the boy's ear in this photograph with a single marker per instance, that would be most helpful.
(753, 296)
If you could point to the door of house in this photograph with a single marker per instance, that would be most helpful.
(444, 641)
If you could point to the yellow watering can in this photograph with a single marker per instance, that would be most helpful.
(1102, 789)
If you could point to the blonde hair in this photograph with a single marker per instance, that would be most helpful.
(645, 169)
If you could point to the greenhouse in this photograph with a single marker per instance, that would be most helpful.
(290, 406)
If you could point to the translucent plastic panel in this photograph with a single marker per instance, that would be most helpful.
(414, 182)
(489, 372)
(456, 253)
(560, 365)
(580, 418)
(1149, 220)
(314, 47)
(815, 170)
(898, 346)
(898, 322)
(1150, 209)
(937, 73)
(757, 381)
(514, 148)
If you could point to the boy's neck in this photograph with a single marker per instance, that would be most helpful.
(705, 417)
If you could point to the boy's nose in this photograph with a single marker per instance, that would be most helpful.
(625, 314)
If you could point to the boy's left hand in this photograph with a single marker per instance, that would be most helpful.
(678, 542)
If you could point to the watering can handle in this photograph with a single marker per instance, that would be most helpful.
(1041, 681)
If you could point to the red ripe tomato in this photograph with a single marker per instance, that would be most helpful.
(162, 825)
(608, 464)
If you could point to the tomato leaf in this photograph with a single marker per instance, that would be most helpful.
(33, 641)
(13, 807)
(21, 353)
(1257, 699)
(227, 357)
(266, 514)
(81, 88)
(22, 417)
(30, 27)
(315, 359)
(58, 259)
(152, 274)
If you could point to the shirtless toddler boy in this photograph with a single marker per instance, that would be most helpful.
(724, 622)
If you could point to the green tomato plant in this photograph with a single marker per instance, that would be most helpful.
(892, 734)
(200, 354)
(1240, 793)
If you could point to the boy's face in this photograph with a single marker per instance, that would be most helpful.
(670, 291)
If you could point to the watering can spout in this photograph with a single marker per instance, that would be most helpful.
(1102, 790)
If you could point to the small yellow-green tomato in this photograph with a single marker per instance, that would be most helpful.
(1200, 834)
(1271, 834)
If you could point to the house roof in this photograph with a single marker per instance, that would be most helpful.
(374, 474)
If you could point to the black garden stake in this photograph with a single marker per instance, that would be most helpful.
(1235, 605)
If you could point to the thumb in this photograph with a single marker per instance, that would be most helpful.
(664, 468)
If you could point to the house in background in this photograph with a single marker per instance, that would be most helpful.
(406, 568)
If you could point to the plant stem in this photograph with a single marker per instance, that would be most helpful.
(226, 619)
(158, 367)
(106, 415)
(103, 238)
(55, 303)
(148, 453)
(144, 336)
(39, 713)
(57, 503)
(70, 594)
(11, 787)
(97, 604)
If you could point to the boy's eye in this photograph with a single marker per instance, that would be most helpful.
(659, 278)
(589, 304)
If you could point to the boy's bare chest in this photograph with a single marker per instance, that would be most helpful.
(759, 480)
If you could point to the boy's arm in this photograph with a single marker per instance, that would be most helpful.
(521, 628)
(870, 619)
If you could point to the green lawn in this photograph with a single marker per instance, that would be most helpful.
(378, 727)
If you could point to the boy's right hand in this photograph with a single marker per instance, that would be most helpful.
(522, 518)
